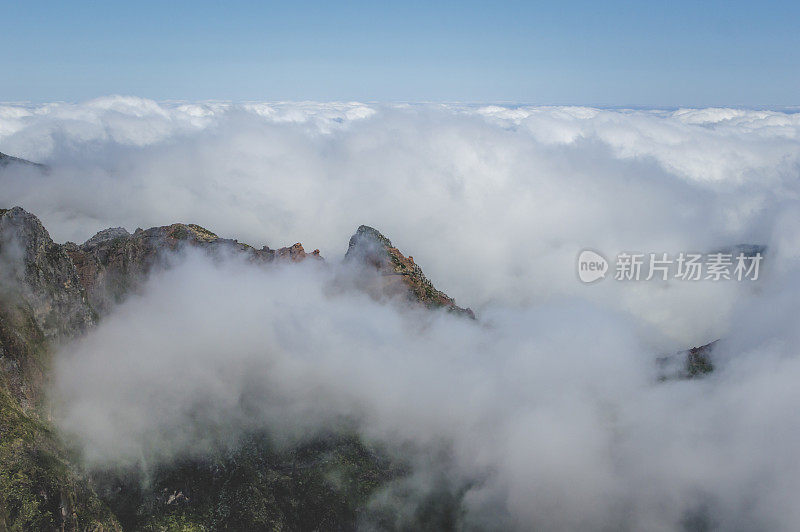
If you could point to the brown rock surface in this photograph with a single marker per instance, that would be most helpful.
(398, 274)
(114, 262)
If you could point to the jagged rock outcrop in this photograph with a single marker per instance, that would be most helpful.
(113, 262)
(39, 273)
(397, 274)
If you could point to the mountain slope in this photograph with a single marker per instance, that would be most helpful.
(53, 293)
(41, 302)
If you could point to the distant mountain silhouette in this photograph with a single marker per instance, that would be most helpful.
(5, 160)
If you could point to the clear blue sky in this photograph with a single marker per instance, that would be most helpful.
(597, 53)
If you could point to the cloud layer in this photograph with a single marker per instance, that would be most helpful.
(551, 400)
(494, 202)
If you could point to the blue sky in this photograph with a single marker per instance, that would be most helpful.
(595, 53)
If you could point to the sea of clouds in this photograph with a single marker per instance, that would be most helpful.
(549, 404)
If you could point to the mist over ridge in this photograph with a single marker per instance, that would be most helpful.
(513, 192)
(547, 410)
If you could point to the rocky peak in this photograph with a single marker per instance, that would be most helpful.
(294, 253)
(39, 274)
(398, 274)
(106, 235)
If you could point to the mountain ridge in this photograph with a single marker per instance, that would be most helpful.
(51, 293)
(6, 160)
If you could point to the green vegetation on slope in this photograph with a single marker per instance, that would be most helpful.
(39, 490)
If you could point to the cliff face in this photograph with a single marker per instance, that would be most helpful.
(41, 274)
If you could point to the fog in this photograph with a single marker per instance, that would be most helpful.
(553, 413)
(549, 404)
(495, 203)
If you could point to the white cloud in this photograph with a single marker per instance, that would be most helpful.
(551, 397)
(494, 202)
